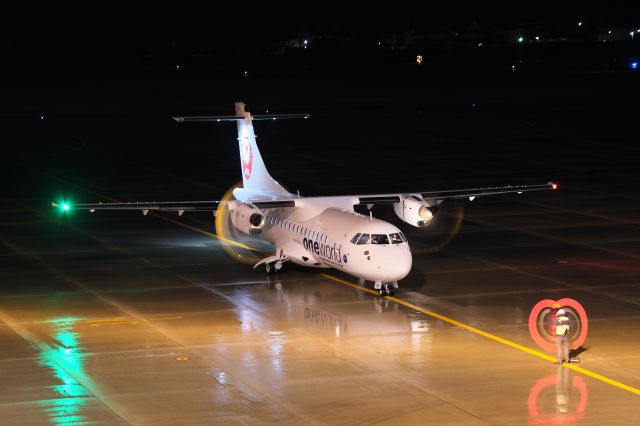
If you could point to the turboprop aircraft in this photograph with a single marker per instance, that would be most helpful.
(317, 232)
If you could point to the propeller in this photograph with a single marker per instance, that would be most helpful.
(229, 235)
(443, 228)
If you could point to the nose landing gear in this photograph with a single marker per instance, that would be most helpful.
(273, 267)
(386, 288)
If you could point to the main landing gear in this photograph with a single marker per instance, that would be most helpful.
(272, 264)
(386, 288)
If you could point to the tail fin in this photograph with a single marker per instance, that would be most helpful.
(255, 176)
(254, 173)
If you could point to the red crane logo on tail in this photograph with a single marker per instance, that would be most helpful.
(247, 158)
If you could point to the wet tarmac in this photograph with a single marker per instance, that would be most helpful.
(116, 318)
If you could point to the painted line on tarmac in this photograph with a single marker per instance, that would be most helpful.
(203, 232)
(488, 335)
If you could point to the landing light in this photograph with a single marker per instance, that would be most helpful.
(554, 186)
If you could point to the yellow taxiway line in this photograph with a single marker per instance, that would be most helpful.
(457, 324)
(488, 335)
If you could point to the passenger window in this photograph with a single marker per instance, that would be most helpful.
(395, 238)
(355, 238)
(364, 239)
(379, 239)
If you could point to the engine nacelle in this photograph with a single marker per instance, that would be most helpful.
(246, 218)
(414, 210)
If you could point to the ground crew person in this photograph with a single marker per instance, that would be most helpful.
(562, 337)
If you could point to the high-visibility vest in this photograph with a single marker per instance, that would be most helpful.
(562, 326)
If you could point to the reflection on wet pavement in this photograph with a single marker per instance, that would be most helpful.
(560, 398)
(65, 358)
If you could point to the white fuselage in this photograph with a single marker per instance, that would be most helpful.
(328, 240)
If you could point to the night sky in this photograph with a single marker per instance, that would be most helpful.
(119, 26)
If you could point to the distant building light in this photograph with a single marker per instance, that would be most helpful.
(42, 117)
(520, 39)
(306, 42)
(537, 38)
(480, 44)
(609, 32)
(379, 43)
(513, 67)
(579, 23)
(419, 59)
(246, 73)
(178, 67)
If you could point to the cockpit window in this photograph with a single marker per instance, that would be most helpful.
(355, 238)
(395, 238)
(364, 239)
(403, 237)
(379, 239)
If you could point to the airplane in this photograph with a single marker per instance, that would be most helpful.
(317, 231)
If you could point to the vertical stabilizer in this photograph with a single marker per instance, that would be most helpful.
(254, 173)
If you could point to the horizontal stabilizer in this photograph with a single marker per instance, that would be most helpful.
(203, 118)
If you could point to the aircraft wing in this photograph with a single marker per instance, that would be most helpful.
(434, 197)
(470, 193)
(166, 206)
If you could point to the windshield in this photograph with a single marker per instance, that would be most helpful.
(379, 239)
(364, 239)
(355, 238)
(395, 238)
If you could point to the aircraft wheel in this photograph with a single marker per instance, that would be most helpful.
(278, 266)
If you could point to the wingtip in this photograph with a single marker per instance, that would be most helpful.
(178, 119)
